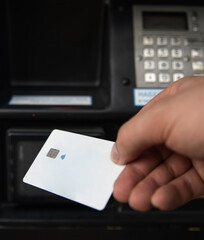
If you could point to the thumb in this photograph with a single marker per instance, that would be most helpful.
(140, 133)
(146, 129)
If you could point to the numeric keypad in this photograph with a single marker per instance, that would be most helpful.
(164, 59)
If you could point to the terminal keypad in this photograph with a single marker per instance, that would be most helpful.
(164, 59)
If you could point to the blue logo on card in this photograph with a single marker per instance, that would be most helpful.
(63, 156)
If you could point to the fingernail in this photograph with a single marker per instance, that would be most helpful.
(114, 154)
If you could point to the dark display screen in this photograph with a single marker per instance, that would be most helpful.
(165, 21)
(55, 42)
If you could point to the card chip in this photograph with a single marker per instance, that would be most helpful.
(52, 153)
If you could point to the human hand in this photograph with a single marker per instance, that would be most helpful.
(163, 147)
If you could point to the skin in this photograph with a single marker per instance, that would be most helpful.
(163, 149)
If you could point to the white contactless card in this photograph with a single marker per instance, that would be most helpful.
(76, 167)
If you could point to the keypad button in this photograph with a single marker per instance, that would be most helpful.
(164, 77)
(149, 65)
(148, 52)
(195, 27)
(163, 65)
(177, 65)
(177, 76)
(175, 41)
(147, 40)
(197, 66)
(150, 77)
(196, 53)
(162, 52)
(176, 53)
(161, 41)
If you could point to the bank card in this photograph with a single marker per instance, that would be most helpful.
(76, 167)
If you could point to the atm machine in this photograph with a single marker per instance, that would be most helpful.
(86, 67)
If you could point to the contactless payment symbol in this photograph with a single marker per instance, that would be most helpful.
(63, 156)
(53, 153)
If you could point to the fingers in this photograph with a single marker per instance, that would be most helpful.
(141, 132)
(179, 191)
(170, 185)
(145, 129)
(162, 122)
(173, 167)
(151, 126)
(135, 172)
